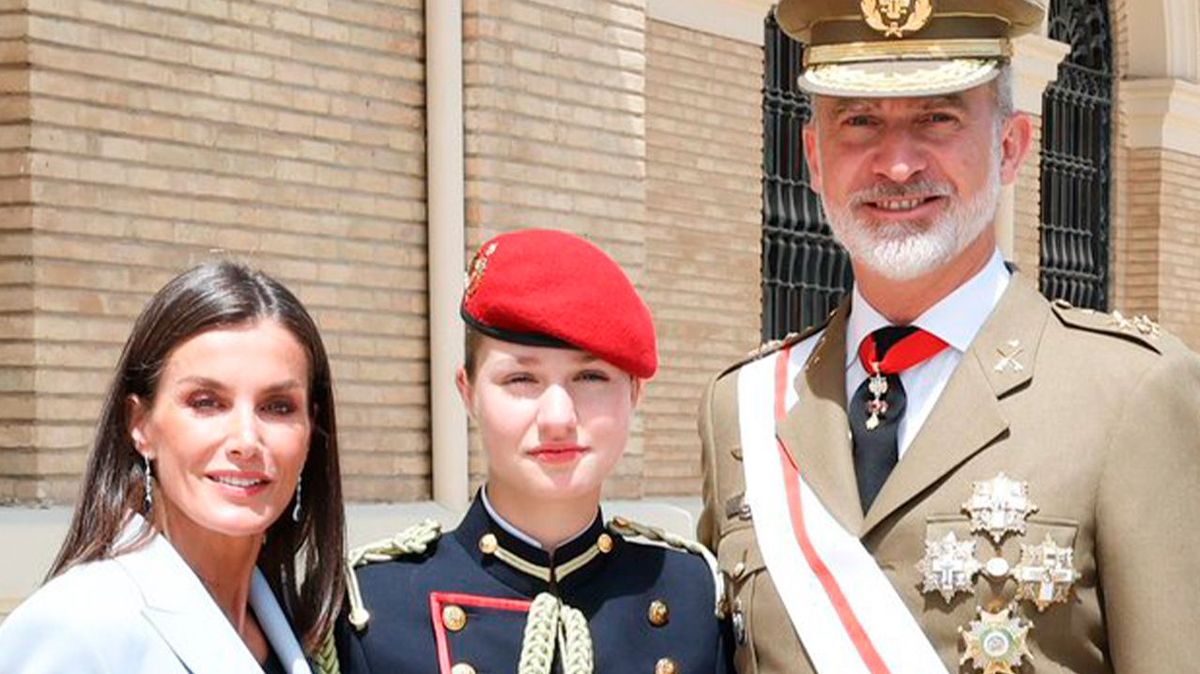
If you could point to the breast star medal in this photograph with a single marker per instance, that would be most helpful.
(996, 642)
(999, 506)
(949, 566)
(1045, 573)
(894, 18)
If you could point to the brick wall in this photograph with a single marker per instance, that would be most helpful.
(16, 270)
(703, 231)
(286, 133)
(1027, 207)
(555, 136)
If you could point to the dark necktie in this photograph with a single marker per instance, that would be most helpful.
(879, 402)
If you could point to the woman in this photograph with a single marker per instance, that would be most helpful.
(214, 467)
(559, 348)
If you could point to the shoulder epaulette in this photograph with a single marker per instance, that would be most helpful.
(630, 531)
(414, 540)
(769, 347)
(1138, 329)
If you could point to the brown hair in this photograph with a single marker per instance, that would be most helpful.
(207, 297)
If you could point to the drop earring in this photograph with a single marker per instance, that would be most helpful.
(148, 499)
(296, 508)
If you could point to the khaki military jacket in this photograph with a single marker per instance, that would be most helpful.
(1098, 414)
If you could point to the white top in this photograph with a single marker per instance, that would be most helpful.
(956, 319)
(142, 612)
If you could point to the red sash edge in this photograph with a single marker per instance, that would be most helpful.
(791, 478)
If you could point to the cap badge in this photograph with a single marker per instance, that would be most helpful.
(894, 18)
(999, 506)
(479, 265)
(949, 566)
(1045, 574)
(996, 643)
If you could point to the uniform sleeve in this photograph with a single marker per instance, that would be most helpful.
(707, 528)
(1147, 510)
(725, 649)
(351, 657)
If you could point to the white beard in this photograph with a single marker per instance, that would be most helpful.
(902, 251)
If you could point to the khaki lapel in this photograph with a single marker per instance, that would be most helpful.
(967, 416)
(816, 430)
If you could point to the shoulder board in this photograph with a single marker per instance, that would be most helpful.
(770, 347)
(413, 541)
(1137, 329)
(649, 535)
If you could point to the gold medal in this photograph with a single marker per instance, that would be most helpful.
(998, 506)
(995, 643)
(1046, 573)
(949, 566)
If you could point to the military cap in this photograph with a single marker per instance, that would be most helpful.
(551, 288)
(899, 48)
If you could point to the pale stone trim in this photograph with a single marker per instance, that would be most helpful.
(1163, 114)
(1035, 65)
(740, 20)
(1162, 38)
(447, 237)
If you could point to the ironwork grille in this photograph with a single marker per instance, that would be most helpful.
(804, 271)
(1076, 132)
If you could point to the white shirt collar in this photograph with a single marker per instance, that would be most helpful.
(956, 318)
(505, 524)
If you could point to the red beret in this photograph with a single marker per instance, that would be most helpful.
(550, 288)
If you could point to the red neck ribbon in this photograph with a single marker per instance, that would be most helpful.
(914, 349)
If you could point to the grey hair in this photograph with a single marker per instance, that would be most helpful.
(1003, 87)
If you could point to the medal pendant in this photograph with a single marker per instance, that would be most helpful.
(878, 385)
(876, 408)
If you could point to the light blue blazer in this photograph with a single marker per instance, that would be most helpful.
(144, 612)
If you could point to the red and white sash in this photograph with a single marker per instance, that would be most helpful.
(848, 616)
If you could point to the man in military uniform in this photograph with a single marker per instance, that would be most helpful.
(559, 346)
(952, 474)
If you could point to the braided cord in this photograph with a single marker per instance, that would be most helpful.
(628, 528)
(414, 540)
(576, 642)
(326, 657)
(552, 623)
(537, 646)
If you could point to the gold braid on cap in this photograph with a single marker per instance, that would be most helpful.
(909, 50)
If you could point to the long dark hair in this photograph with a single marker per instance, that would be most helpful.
(214, 295)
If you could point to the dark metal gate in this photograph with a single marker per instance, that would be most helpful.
(1076, 158)
(804, 271)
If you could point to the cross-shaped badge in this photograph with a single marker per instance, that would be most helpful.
(1008, 357)
(998, 506)
(1045, 574)
(949, 566)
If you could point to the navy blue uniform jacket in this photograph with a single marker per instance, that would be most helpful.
(407, 598)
